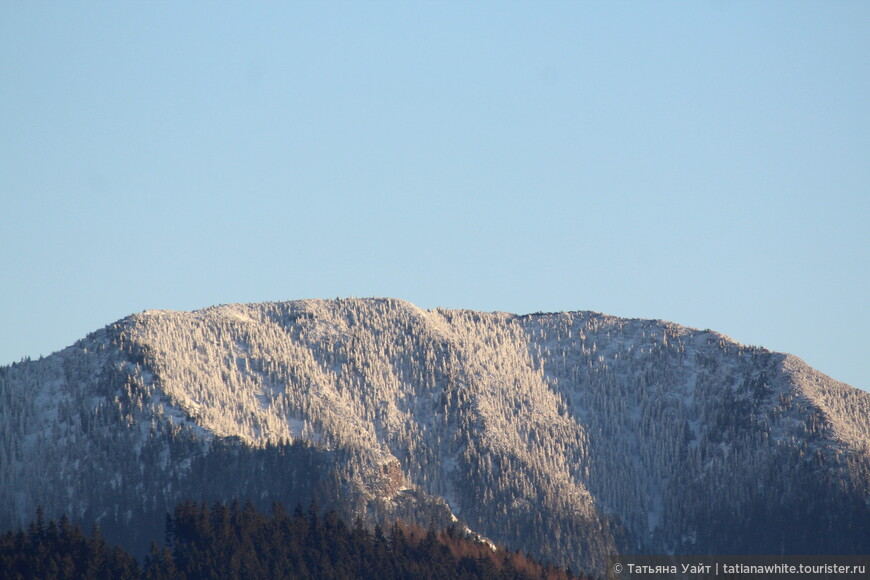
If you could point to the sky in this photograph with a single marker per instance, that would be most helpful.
(706, 163)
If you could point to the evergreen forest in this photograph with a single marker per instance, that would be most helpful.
(236, 541)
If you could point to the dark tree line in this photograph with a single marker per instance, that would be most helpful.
(236, 541)
(61, 550)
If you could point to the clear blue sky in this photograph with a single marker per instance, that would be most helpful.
(701, 162)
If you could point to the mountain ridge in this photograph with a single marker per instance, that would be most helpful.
(569, 434)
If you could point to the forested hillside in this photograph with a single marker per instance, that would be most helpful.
(236, 542)
(570, 434)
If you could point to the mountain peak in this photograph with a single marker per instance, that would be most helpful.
(610, 434)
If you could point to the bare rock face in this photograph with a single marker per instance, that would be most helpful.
(570, 435)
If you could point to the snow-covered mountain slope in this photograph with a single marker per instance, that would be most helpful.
(568, 434)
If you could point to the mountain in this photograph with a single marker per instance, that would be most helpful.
(570, 435)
